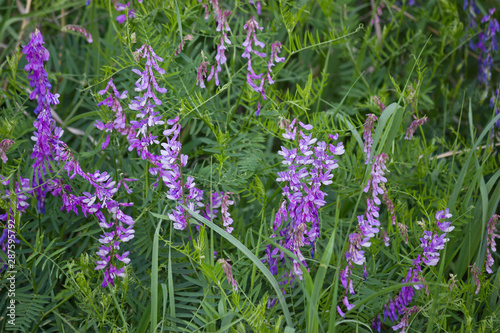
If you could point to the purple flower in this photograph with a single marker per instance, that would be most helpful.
(367, 135)
(377, 323)
(79, 29)
(404, 323)
(130, 13)
(308, 168)
(228, 270)
(44, 138)
(201, 73)
(413, 127)
(226, 217)
(36, 54)
(4, 146)
(379, 103)
(181, 45)
(222, 27)
(119, 123)
(476, 272)
(490, 242)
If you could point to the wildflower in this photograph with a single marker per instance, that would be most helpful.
(169, 168)
(222, 27)
(228, 270)
(432, 241)
(413, 127)
(4, 146)
(44, 125)
(403, 229)
(119, 123)
(226, 217)
(490, 242)
(130, 13)
(79, 29)
(181, 45)
(404, 323)
(275, 49)
(251, 26)
(308, 168)
(379, 103)
(487, 46)
(201, 73)
(385, 238)
(476, 273)
(377, 323)
(367, 135)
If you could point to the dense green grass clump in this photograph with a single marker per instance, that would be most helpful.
(249, 166)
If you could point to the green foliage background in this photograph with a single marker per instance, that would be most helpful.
(415, 59)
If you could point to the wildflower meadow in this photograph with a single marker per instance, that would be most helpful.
(249, 166)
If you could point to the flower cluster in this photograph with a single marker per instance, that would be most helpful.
(275, 49)
(171, 164)
(413, 127)
(476, 272)
(167, 165)
(379, 103)
(431, 243)
(182, 43)
(309, 167)
(139, 135)
(49, 146)
(201, 73)
(223, 28)
(43, 136)
(226, 217)
(4, 146)
(112, 101)
(251, 26)
(367, 135)
(118, 226)
(490, 241)
(80, 30)
(228, 270)
(368, 226)
(487, 46)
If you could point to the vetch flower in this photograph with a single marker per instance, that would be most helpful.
(308, 168)
(490, 242)
(228, 270)
(44, 136)
(130, 13)
(413, 127)
(4, 146)
(80, 30)
(476, 272)
(367, 135)
(181, 45)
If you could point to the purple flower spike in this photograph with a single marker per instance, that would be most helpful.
(297, 220)
(367, 135)
(413, 127)
(490, 242)
(43, 136)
